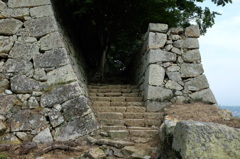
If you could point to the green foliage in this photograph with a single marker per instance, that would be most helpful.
(3, 156)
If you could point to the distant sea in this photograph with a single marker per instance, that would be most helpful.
(234, 109)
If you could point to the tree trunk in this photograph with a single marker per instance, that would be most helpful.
(102, 63)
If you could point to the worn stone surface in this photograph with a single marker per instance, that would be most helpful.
(191, 70)
(208, 140)
(173, 85)
(158, 93)
(51, 41)
(60, 94)
(9, 26)
(192, 31)
(155, 75)
(197, 83)
(157, 27)
(6, 43)
(3, 128)
(96, 153)
(6, 103)
(154, 106)
(55, 117)
(40, 74)
(120, 134)
(44, 136)
(40, 26)
(205, 95)
(4, 84)
(49, 59)
(17, 66)
(191, 56)
(2, 5)
(33, 103)
(158, 55)
(41, 11)
(26, 3)
(175, 76)
(23, 84)
(188, 43)
(156, 40)
(19, 13)
(24, 51)
(9, 139)
(173, 68)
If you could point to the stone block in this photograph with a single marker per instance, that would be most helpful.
(4, 84)
(9, 26)
(43, 137)
(191, 56)
(9, 139)
(33, 103)
(40, 74)
(188, 43)
(155, 75)
(157, 93)
(205, 95)
(158, 55)
(40, 26)
(49, 59)
(51, 41)
(23, 50)
(3, 128)
(154, 106)
(176, 30)
(27, 3)
(176, 50)
(19, 13)
(173, 68)
(118, 134)
(6, 103)
(55, 117)
(191, 70)
(173, 85)
(17, 66)
(96, 153)
(6, 43)
(158, 27)
(41, 11)
(175, 76)
(2, 5)
(156, 40)
(23, 84)
(192, 31)
(198, 83)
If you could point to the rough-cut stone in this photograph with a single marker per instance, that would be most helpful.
(55, 117)
(23, 84)
(27, 3)
(6, 43)
(154, 106)
(197, 83)
(49, 59)
(157, 93)
(33, 103)
(24, 51)
(208, 140)
(9, 26)
(175, 76)
(155, 75)
(6, 103)
(176, 51)
(3, 128)
(76, 128)
(40, 74)
(17, 66)
(60, 94)
(63, 74)
(156, 40)
(41, 11)
(157, 27)
(51, 41)
(2, 5)
(158, 55)
(41, 26)
(96, 153)
(136, 152)
(192, 31)
(191, 56)
(176, 30)
(44, 136)
(9, 139)
(4, 84)
(120, 134)
(15, 13)
(191, 70)
(205, 95)
(173, 68)
(23, 136)
(173, 85)
(188, 43)
(26, 120)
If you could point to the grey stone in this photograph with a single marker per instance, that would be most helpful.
(27, 3)
(51, 41)
(6, 43)
(191, 56)
(3, 128)
(17, 66)
(154, 106)
(205, 95)
(175, 76)
(208, 140)
(60, 94)
(23, 84)
(41, 11)
(10, 139)
(63, 74)
(24, 50)
(156, 40)
(173, 85)
(180, 60)
(157, 27)
(178, 93)
(37, 94)
(49, 59)
(41, 26)
(176, 30)
(44, 136)
(23, 136)
(2, 5)
(175, 37)
(191, 70)
(3, 55)
(55, 117)
(8, 92)
(4, 84)
(155, 75)
(168, 47)
(192, 31)
(9, 26)
(157, 93)
(180, 99)
(176, 51)
(40, 74)
(33, 103)
(96, 153)
(173, 68)
(118, 134)
(25, 39)
(26, 120)
(197, 83)
(15, 13)
(6, 103)
(76, 128)
(188, 43)
(158, 55)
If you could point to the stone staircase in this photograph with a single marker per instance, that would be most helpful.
(120, 112)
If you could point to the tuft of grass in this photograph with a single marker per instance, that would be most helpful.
(3, 156)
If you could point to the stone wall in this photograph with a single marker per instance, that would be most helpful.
(43, 93)
(169, 69)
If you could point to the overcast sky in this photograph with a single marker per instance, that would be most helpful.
(220, 50)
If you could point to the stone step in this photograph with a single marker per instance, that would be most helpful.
(116, 104)
(122, 109)
(109, 115)
(123, 134)
(130, 122)
(98, 86)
